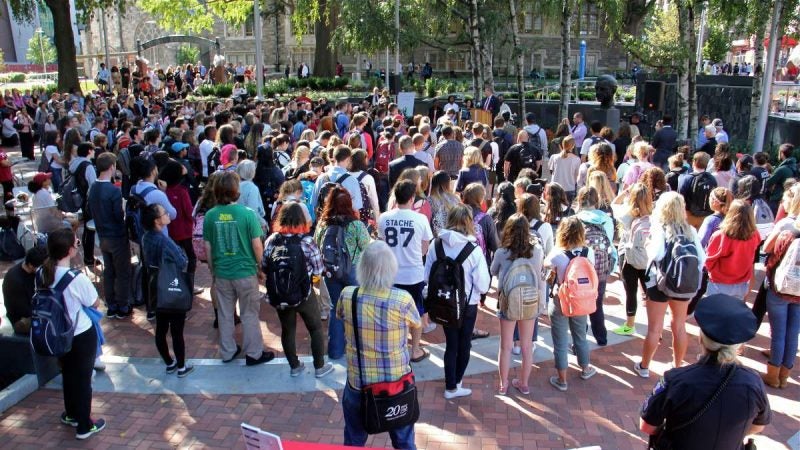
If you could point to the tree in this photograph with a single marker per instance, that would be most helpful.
(2, 59)
(188, 54)
(40, 49)
(717, 44)
(567, 7)
(518, 56)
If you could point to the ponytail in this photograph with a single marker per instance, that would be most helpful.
(59, 244)
(49, 272)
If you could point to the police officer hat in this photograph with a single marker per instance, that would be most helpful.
(725, 319)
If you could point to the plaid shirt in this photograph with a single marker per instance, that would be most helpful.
(310, 250)
(384, 319)
(450, 154)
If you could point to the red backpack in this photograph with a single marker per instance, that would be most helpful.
(387, 151)
(577, 294)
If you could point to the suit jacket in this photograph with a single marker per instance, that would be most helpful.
(664, 143)
(494, 105)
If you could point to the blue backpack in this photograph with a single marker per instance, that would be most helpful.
(52, 328)
(308, 191)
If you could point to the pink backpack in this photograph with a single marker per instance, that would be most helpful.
(198, 244)
(578, 291)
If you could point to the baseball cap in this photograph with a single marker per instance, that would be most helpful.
(177, 147)
(40, 177)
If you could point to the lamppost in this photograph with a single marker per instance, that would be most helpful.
(40, 32)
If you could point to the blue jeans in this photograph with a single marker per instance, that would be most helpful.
(458, 343)
(336, 341)
(559, 325)
(738, 290)
(598, 318)
(354, 434)
(56, 180)
(784, 321)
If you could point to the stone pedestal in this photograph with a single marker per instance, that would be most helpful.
(608, 117)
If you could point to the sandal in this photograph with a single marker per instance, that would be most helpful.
(425, 354)
(525, 390)
(479, 334)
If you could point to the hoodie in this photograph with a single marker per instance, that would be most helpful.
(729, 260)
(600, 218)
(787, 169)
(476, 272)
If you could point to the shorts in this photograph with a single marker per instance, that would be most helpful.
(415, 290)
(657, 296)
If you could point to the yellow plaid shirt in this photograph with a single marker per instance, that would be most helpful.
(384, 320)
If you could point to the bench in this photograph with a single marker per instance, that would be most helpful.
(19, 358)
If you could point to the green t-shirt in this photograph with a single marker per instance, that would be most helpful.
(230, 230)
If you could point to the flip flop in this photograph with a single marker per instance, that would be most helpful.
(425, 354)
(525, 390)
(479, 334)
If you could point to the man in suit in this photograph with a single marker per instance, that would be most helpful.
(664, 143)
(374, 98)
(490, 102)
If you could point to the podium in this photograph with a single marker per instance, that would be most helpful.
(482, 116)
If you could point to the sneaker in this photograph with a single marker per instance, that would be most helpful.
(97, 427)
(172, 367)
(235, 354)
(588, 373)
(641, 371)
(558, 384)
(517, 350)
(69, 421)
(185, 371)
(198, 291)
(297, 371)
(264, 358)
(624, 330)
(324, 370)
(111, 313)
(99, 365)
(123, 313)
(430, 328)
(459, 392)
(151, 316)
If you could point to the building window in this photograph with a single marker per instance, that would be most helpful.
(46, 20)
(589, 21)
(249, 28)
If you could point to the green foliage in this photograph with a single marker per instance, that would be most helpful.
(51, 88)
(193, 16)
(554, 96)
(207, 90)
(223, 90)
(717, 44)
(40, 49)
(316, 83)
(586, 95)
(188, 54)
(12, 77)
(431, 84)
(660, 47)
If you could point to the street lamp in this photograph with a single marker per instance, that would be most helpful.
(40, 32)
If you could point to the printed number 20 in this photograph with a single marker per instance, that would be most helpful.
(392, 236)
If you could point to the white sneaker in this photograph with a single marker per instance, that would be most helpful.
(99, 364)
(517, 350)
(459, 392)
(642, 372)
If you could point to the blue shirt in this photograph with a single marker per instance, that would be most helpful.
(158, 197)
(298, 129)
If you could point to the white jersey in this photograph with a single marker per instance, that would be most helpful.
(404, 231)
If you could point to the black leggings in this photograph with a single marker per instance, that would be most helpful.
(76, 372)
(630, 275)
(172, 322)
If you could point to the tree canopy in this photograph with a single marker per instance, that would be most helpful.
(40, 49)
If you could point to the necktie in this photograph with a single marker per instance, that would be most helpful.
(486, 105)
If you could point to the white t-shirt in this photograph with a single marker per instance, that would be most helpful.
(206, 147)
(43, 199)
(404, 231)
(51, 151)
(80, 292)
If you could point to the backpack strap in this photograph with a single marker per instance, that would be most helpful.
(354, 313)
(146, 191)
(439, 247)
(341, 179)
(465, 252)
(538, 225)
(361, 177)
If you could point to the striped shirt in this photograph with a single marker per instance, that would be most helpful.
(384, 320)
(450, 154)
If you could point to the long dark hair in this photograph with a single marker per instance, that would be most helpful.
(505, 206)
(59, 243)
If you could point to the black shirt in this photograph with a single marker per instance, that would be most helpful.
(513, 157)
(18, 289)
(682, 392)
(400, 164)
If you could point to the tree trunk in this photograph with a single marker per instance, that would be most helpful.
(324, 55)
(520, 60)
(692, 78)
(65, 46)
(476, 82)
(756, 93)
(477, 44)
(487, 54)
(566, 69)
(682, 121)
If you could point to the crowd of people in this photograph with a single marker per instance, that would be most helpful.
(388, 227)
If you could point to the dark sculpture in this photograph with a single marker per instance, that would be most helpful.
(604, 88)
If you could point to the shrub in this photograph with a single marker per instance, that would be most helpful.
(554, 96)
(17, 78)
(586, 95)
(292, 82)
(430, 87)
(51, 88)
(341, 82)
(223, 90)
(207, 90)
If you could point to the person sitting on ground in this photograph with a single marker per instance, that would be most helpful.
(19, 287)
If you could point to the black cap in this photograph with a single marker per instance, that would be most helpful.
(725, 319)
(530, 117)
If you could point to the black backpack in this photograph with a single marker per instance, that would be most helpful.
(446, 299)
(335, 256)
(10, 247)
(288, 280)
(133, 214)
(701, 186)
(52, 328)
(502, 146)
(325, 189)
(72, 192)
(213, 160)
(531, 151)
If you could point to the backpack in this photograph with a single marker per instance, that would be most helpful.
(133, 210)
(308, 192)
(635, 254)
(679, 274)
(446, 299)
(213, 160)
(765, 220)
(282, 159)
(519, 292)
(11, 249)
(701, 186)
(52, 328)
(577, 293)
(71, 195)
(366, 214)
(786, 272)
(44, 163)
(535, 231)
(597, 239)
(476, 221)
(502, 149)
(384, 155)
(288, 280)
(198, 243)
(325, 189)
(532, 151)
(335, 256)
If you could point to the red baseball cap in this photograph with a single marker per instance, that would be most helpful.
(40, 177)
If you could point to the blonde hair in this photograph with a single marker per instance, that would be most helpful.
(459, 219)
(670, 213)
(726, 354)
(640, 201)
(791, 201)
(473, 195)
(599, 181)
(641, 150)
(300, 153)
(720, 200)
(570, 233)
(567, 144)
(472, 156)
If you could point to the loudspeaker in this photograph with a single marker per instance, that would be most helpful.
(395, 84)
(653, 98)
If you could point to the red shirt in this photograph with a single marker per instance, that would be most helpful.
(730, 261)
(5, 172)
(181, 227)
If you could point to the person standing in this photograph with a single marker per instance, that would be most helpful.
(696, 187)
(578, 129)
(81, 168)
(105, 204)
(232, 235)
(664, 142)
(785, 170)
(449, 153)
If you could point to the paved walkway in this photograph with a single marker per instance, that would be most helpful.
(147, 409)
